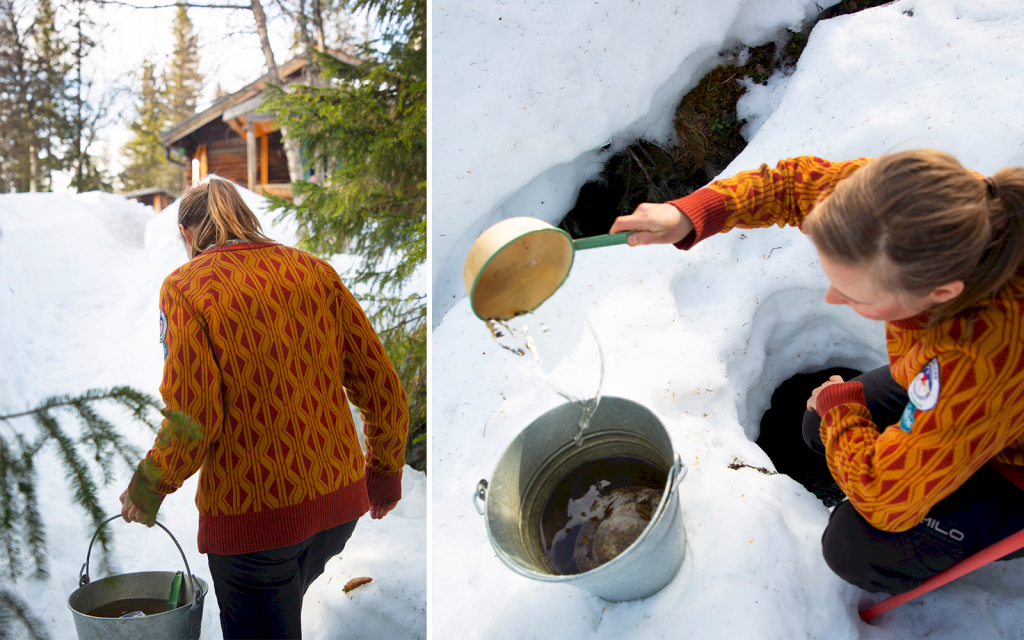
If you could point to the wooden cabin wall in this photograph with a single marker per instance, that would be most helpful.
(278, 161)
(225, 150)
(226, 154)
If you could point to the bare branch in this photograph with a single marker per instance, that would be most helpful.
(187, 5)
(286, 11)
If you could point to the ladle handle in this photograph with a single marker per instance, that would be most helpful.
(595, 242)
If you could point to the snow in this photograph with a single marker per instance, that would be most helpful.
(79, 280)
(703, 337)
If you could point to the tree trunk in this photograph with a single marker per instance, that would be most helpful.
(261, 30)
(33, 168)
(318, 23)
(291, 149)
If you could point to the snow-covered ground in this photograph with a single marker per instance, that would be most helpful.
(525, 97)
(79, 279)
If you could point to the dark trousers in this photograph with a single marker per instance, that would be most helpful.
(260, 594)
(981, 512)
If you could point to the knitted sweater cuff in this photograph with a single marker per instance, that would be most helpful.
(836, 394)
(144, 494)
(706, 210)
(383, 489)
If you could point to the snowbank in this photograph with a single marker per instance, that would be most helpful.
(534, 94)
(79, 280)
(702, 337)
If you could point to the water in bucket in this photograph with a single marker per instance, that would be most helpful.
(597, 510)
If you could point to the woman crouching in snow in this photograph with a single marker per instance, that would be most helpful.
(930, 449)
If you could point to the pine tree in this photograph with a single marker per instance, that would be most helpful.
(15, 75)
(161, 103)
(147, 164)
(34, 123)
(50, 82)
(182, 79)
(368, 132)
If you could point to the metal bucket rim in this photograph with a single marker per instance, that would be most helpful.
(199, 587)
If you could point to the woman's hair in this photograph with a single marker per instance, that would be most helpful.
(216, 214)
(921, 220)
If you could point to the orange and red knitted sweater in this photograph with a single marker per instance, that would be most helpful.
(975, 412)
(262, 341)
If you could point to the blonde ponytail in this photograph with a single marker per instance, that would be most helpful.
(216, 214)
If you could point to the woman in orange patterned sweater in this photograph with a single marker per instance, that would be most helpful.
(264, 347)
(930, 449)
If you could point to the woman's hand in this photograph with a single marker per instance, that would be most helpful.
(379, 509)
(654, 224)
(813, 400)
(131, 513)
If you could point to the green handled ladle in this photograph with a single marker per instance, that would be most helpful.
(518, 263)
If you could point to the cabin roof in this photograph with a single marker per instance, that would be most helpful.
(248, 97)
(148, 191)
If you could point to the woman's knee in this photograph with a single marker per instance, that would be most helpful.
(862, 555)
(812, 432)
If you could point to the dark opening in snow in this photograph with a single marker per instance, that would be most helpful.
(782, 439)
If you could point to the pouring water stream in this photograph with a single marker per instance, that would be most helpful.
(557, 343)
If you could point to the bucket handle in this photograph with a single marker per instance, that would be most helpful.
(480, 493)
(678, 472)
(83, 576)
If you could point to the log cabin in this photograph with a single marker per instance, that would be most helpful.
(232, 141)
(156, 197)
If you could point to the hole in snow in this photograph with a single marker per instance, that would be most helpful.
(794, 331)
(781, 436)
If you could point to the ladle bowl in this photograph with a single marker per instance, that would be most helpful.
(515, 265)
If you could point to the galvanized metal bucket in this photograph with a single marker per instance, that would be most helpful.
(182, 623)
(542, 454)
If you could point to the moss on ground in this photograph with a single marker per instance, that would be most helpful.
(708, 137)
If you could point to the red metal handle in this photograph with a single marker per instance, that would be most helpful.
(1002, 548)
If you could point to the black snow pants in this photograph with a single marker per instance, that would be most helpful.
(260, 594)
(981, 512)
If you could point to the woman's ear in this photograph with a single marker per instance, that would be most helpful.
(946, 292)
(186, 233)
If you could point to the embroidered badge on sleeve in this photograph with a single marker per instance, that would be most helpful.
(924, 388)
(163, 331)
(907, 419)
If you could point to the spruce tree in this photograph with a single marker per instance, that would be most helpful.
(147, 164)
(51, 125)
(15, 75)
(34, 120)
(182, 80)
(367, 132)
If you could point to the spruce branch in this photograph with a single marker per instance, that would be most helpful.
(13, 610)
(21, 524)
